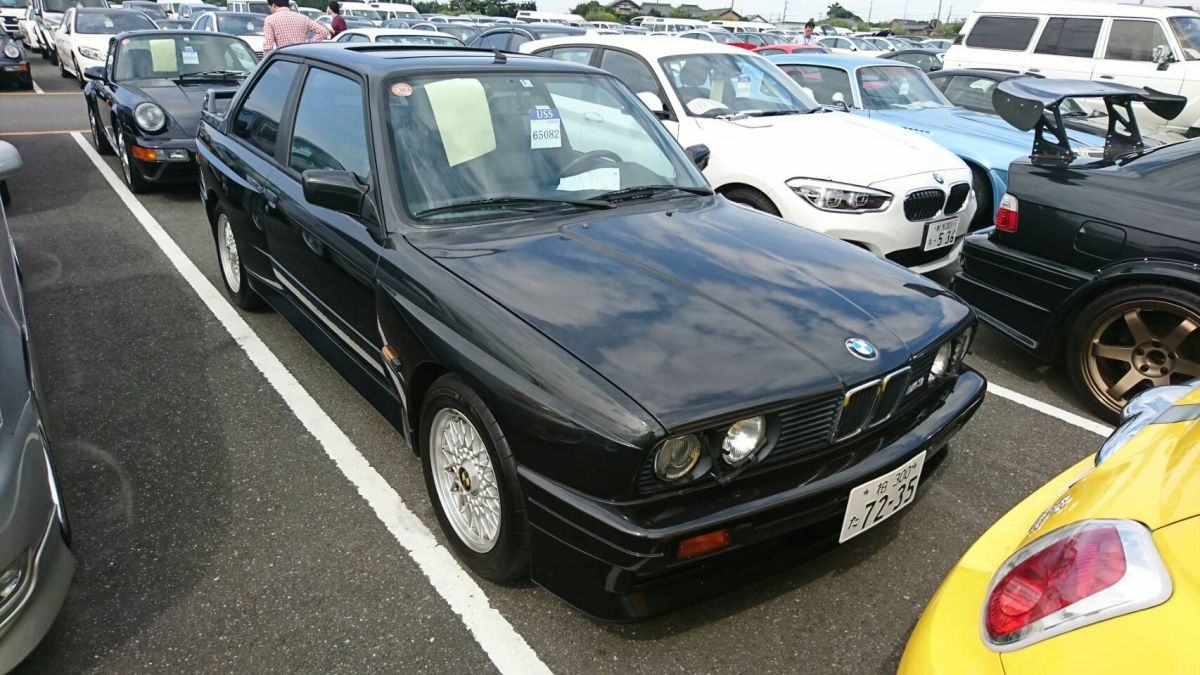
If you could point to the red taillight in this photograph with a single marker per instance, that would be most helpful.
(1006, 216)
(1058, 576)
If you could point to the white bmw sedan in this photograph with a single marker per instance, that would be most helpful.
(82, 38)
(773, 148)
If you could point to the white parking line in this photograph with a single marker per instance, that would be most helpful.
(1047, 409)
(499, 640)
(37, 88)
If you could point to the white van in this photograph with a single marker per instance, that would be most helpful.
(395, 10)
(534, 16)
(1157, 47)
(742, 26)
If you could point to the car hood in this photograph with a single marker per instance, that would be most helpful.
(182, 102)
(704, 308)
(827, 145)
(94, 41)
(942, 123)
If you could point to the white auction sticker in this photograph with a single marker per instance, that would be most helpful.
(545, 128)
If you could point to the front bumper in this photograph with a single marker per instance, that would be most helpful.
(35, 529)
(616, 561)
(168, 170)
(82, 63)
(888, 233)
(15, 73)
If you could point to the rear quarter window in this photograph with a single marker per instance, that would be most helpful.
(1008, 33)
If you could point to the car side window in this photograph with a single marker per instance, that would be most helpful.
(257, 121)
(1134, 40)
(632, 71)
(1008, 33)
(974, 93)
(317, 143)
(203, 23)
(1069, 37)
(359, 38)
(573, 54)
(518, 39)
(498, 40)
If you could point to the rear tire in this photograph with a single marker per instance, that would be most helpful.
(1130, 339)
(233, 271)
(752, 198)
(62, 70)
(476, 475)
(984, 201)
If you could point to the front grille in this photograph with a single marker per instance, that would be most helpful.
(923, 204)
(958, 198)
(806, 427)
(914, 257)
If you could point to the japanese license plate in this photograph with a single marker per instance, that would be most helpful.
(877, 499)
(940, 233)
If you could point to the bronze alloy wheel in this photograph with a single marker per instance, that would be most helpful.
(1138, 344)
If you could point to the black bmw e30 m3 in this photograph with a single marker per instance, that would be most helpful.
(144, 102)
(617, 382)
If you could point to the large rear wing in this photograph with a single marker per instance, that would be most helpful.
(1033, 103)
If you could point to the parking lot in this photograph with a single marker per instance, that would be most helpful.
(228, 518)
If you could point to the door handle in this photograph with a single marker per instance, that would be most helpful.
(272, 198)
(1106, 77)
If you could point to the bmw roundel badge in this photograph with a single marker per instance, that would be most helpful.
(938, 178)
(861, 348)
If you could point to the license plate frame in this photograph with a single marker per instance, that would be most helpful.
(939, 234)
(880, 498)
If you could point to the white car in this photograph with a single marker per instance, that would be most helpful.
(82, 39)
(849, 45)
(246, 25)
(399, 36)
(396, 10)
(12, 13)
(362, 10)
(894, 192)
(27, 28)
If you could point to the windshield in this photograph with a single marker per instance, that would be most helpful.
(150, 8)
(1187, 29)
(168, 57)
(898, 88)
(365, 13)
(527, 143)
(460, 32)
(431, 40)
(720, 85)
(411, 16)
(111, 23)
(62, 6)
(239, 24)
(258, 8)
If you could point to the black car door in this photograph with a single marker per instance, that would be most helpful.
(106, 90)
(325, 258)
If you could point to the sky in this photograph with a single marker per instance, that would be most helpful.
(802, 10)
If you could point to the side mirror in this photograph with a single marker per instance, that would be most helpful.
(1162, 56)
(10, 160)
(839, 101)
(654, 103)
(699, 154)
(335, 190)
(95, 73)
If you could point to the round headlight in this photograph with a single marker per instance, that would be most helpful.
(676, 457)
(150, 117)
(743, 438)
(941, 360)
(11, 51)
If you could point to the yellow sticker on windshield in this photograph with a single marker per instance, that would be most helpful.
(464, 120)
(162, 56)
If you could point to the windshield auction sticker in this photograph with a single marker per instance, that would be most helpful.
(545, 128)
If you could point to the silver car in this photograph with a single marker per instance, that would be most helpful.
(36, 564)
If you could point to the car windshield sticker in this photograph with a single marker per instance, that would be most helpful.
(699, 106)
(190, 56)
(463, 117)
(527, 84)
(742, 88)
(108, 23)
(606, 178)
(402, 89)
(545, 128)
(162, 56)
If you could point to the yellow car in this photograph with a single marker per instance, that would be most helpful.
(1096, 572)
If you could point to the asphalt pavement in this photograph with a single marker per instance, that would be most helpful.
(215, 534)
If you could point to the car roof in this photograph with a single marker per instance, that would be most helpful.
(1076, 8)
(986, 73)
(847, 61)
(383, 59)
(377, 31)
(237, 15)
(651, 47)
(105, 10)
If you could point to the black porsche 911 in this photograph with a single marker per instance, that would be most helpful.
(14, 63)
(145, 102)
(618, 382)
(1094, 262)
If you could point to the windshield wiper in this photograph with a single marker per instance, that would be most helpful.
(644, 191)
(773, 113)
(512, 202)
(213, 75)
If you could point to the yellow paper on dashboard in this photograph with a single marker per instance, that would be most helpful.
(460, 109)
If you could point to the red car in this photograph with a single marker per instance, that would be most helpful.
(771, 50)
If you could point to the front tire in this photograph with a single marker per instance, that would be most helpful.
(62, 70)
(99, 140)
(1131, 339)
(233, 271)
(471, 477)
(752, 198)
(129, 170)
(984, 201)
